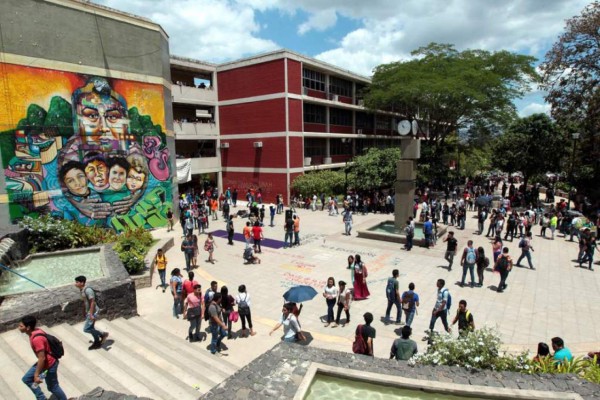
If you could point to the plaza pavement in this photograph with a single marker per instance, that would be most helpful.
(556, 299)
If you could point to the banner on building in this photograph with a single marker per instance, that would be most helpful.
(184, 170)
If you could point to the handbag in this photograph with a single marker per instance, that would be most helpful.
(193, 312)
(234, 316)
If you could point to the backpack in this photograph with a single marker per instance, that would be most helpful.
(449, 302)
(56, 347)
(471, 257)
(390, 290)
(502, 264)
(98, 298)
(243, 307)
(359, 346)
(522, 243)
(206, 300)
(408, 300)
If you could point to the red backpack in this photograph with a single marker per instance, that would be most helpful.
(359, 346)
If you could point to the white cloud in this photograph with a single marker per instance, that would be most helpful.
(319, 21)
(535, 108)
(210, 30)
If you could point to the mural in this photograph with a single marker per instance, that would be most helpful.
(89, 156)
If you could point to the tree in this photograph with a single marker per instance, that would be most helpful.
(376, 169)
(532, 145)
(571, 76)
(446, 90)
(326, 181)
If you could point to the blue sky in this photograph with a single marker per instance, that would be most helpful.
(357, 35)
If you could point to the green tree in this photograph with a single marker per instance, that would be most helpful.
(326, 181)
(376, 169)
(446, 90)
(532, 145)
(571, 77)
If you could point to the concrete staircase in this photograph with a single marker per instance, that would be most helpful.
(139, 358)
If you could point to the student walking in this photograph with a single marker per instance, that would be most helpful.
(92, 309)
(464, 318)
(450, 249)
(209, 246)
(482, 263)
(440, 310)
(526, 249)
(468, 260)
(243, 303)
(46, 365)
(192, 310)
(410, 302)
(392, 293)
(257, 235)
(503, 265)
(176, 289)
(160, 261)
(218, 329)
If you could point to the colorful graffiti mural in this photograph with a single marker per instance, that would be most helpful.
(94, 160)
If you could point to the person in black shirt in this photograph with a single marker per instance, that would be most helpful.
(289, 232)
(450, 249)
(368, 333)
(464, 318)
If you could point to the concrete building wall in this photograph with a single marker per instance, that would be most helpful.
(80, 81)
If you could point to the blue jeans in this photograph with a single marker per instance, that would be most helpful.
(525, 254)
(218, 334)
(348, 227)
(288, 235)
(188, 259)
(330, 305)
(409, 242)
(51, 383)
(408, 316)
(89, 327)
(272, 220)
(297, 238)
(471, 269)
(162, 273)
(177, 305)
(388, 310)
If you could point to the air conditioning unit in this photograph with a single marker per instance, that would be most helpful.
(305, 91)
(258, 145)
(336, 97)
(224, 145)
(361, 102)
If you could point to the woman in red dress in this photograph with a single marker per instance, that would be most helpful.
(361, 291)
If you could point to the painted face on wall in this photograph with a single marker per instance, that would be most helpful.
(97, 172)
(135, 180)
(116, 177)
(76, 182)
(101, 116)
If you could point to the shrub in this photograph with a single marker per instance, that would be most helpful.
(132, 245)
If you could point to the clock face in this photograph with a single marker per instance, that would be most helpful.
(404, 127)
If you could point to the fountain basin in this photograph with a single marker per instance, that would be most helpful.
(388, 232)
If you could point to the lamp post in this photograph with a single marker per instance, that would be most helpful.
(575, 137)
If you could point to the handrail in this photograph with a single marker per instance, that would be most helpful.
(4, 267)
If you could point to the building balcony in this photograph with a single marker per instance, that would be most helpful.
(195, 130)
(204, 165)
(193, 95)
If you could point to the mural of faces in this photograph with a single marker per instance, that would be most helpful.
(100, 116)
(117, 173)
(73, 177)
(97, 173)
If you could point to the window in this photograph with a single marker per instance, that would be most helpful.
(384, 122)
(340, 117)
(313, 80)
(364, 120)
(337, 147)
(340, 86)
(314, 114)
(314, 147)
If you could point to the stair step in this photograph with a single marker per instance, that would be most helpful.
(104, 360)
(68, 380)
(148, 368)
(89, 376)
(170, 341)
(174, 362)
(12, 371)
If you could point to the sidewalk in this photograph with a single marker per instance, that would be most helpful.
(557, 299)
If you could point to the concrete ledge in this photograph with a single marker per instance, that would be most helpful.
(443, 388)
(144, 279)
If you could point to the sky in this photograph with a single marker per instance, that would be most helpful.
(357, 35)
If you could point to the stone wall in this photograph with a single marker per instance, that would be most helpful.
(278, 373)
(64, 304)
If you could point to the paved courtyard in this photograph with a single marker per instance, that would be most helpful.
(556, 299)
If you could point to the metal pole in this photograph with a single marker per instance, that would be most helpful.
(24, 277)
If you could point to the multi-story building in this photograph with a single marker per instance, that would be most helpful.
(276, 116)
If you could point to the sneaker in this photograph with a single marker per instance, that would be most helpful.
(104, 337)
(95, 346)
(399, 323)
(335, 325)
(326, 325)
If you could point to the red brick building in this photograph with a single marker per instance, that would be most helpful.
(281, 114)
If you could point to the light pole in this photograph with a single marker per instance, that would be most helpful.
(575, 137)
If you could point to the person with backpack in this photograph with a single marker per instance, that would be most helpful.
(243, 304)
(482, 263)
(526, 249)
(160, 261)
(227, 303)
(468, 260)
(176, 284)
(217, 327)
(91, 309)
(192, 310)
(404, 348)
(392, 293)
(410, 302)
(442, 306)
(503, 265)
(48, 350)
(464, 318)
(187, 247)
(364, 336)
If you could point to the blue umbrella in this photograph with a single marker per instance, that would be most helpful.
(298, 294)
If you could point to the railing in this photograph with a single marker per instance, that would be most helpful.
(4, 267)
